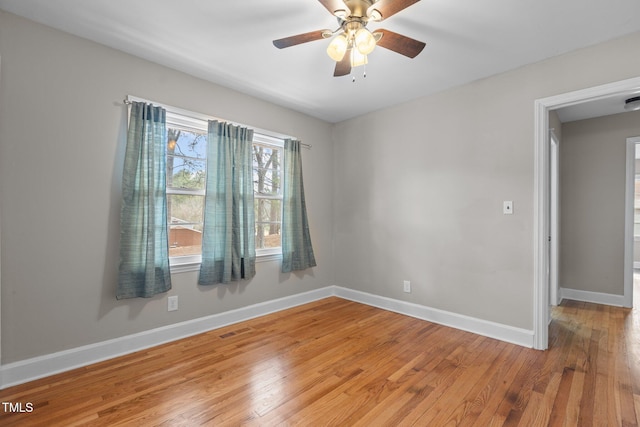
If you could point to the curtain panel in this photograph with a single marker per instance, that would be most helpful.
(144, 248)
(228, 236)
(297, 251)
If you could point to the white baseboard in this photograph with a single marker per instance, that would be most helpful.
(594, 297)
(522, 337)
(43, 366)
(50, 364)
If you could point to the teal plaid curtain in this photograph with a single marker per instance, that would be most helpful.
(144, 249)
(297, 252)
(228, 236)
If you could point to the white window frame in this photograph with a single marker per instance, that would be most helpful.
(198, 122)
(179, 120)
(269, 141)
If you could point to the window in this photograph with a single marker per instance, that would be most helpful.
(186, 173)
(267, 190)
(186, 179)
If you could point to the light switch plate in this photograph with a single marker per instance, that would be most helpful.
(406, 286)
(507, 207)
(172, 303)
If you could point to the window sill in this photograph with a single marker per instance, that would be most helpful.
(269, 257)
(186, 265)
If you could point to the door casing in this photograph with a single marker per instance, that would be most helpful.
(541, 202)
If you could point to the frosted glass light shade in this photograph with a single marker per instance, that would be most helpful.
(338, 47)
(365, 42)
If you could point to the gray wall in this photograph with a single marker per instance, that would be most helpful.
(412, 192)
(62, 136)
(420, 188)
(592, 168)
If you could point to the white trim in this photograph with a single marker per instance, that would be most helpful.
(193, 262)
(541, 192)
(199, 116)
(629, 238)
(592, 297)
(50, 364)
(554, 219)
(0, 273)
(541, 228)
(522, 337)
(268, 257)
(184, 267)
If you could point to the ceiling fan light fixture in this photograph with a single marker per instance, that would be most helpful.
(351, 42)
(364, 40)
(632, 104)
(338, 47)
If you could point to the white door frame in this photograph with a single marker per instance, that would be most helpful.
(628, 220)
(1, 379)
(554, 218)
(541, 221)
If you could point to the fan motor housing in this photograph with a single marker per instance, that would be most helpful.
(358, 8)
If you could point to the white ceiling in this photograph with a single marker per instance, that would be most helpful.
(229, 43)
(606, 106)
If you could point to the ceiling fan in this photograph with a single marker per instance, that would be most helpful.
(353, 41)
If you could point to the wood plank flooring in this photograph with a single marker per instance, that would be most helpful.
(339, 363)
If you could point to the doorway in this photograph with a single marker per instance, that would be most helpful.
(630, 221)
(542, 192)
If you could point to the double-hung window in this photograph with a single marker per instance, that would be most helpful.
(267, 190)
(186, 173)
(186, 178)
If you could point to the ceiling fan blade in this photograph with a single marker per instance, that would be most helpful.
(300, 38)
(343, 67)
(389, 8)
(333, 5)
(398, 43)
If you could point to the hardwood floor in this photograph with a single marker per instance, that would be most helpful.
(336, 362)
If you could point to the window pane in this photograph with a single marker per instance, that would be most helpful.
(267, 182)
(268, 223)
(185, 172)
(266, 157)
(186, 164)
(184, 241)
(268, 210)
(186, 143)
(268, 236)
(185, 224)
(266, 170)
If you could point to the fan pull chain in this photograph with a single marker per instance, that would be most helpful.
(364, 75)
(353, 76)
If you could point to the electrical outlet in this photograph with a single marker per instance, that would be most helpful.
(172, 303)
(407, 286)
